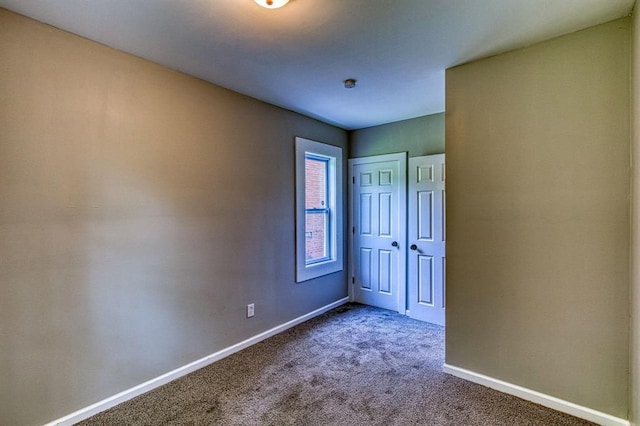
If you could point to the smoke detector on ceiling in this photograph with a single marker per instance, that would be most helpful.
(350, 83)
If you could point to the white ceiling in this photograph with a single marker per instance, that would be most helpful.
(298, 56)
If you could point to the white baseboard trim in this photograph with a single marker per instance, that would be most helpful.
(128, 394)
(537, 397)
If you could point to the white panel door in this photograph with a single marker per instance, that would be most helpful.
(378, 212)
(427, 238)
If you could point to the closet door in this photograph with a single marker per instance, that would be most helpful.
(427, 238)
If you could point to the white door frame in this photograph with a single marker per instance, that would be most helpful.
(401, 158)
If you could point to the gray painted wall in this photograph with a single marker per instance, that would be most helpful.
(418, 136)
(141, 210)
(634, 394)
(538, 217)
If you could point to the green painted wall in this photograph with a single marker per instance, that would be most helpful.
(418, 136)
(538, 217)
(634, 394)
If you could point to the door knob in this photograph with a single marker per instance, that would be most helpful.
(394, 244)
(413, 247)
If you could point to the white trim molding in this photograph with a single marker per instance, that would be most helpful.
(128, 394)
(537, 397)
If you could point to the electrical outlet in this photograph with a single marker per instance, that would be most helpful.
(250, 310)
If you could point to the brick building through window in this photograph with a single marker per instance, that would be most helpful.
(317, 209)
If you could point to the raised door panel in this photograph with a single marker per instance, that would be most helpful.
(385, 214)
(424, 215)
(365, 268)
(365, 223)
(385, 260)
(425, 280)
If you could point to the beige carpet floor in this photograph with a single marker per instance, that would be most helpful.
(355, 365)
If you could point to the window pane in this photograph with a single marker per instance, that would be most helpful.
(316, 237)
(315, 183)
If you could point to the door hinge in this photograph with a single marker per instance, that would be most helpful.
(353, 280)
(353, 179)
(353, 229)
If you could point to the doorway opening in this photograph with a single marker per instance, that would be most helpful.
(397, 239)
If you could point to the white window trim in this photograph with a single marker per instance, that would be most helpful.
(306, 272)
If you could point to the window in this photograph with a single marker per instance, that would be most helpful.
(319, 239)
(318, 214)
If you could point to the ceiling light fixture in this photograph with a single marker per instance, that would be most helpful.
(350, 83)
(272, 4)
